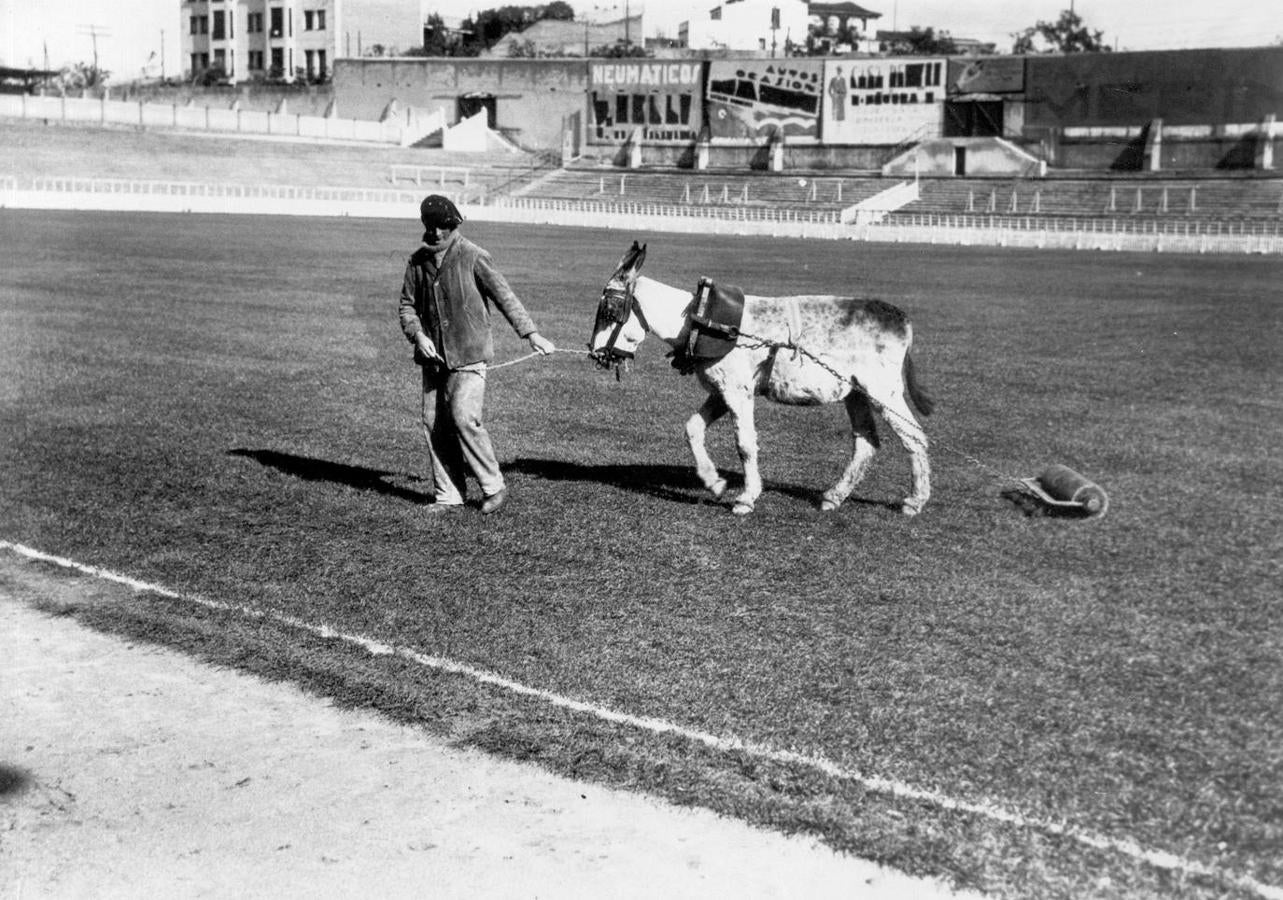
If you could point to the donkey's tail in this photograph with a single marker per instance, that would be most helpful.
(917, 395)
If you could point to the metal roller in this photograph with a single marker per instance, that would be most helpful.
(1062, 487)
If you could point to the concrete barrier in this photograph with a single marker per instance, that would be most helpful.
(72, 193)
(199, 118)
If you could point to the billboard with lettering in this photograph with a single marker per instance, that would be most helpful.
(883, 101)
(752, 99)
(659, 99)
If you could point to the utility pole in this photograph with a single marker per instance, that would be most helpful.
(162, 54)
(94, 32)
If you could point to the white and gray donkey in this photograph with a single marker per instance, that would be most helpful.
(801, 350)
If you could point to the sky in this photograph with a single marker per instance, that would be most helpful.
(131, 30)
(1137, 25)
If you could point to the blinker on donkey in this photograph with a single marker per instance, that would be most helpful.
(808, 349)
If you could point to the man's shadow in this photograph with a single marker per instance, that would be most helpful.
(362, 478)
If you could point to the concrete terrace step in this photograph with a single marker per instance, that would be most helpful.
(1256, 198)
(33, 149)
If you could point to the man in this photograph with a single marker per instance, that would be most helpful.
(450, 286)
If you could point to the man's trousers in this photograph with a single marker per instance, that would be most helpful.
(458, 442)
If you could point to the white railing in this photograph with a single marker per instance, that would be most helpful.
(763, 214)
(197, 118)
(1154, 227)
(50, 192)
(419, 174)
(128, 186)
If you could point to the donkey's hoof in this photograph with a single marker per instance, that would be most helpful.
(829, 506)
(911, 507)
(718, 488)
(741, 508)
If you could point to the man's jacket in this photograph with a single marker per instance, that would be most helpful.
(448, 295)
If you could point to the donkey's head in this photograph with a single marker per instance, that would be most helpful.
(619, 327)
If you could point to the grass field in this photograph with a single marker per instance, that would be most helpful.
(225, 406)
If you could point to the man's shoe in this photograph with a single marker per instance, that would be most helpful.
(436, 509)
(494, 502)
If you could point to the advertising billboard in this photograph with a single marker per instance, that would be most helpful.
(987, 75)
(752, 99)
(661, 99)
(883, 101)
(1181, 87)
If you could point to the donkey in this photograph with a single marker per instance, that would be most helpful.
(802, 350)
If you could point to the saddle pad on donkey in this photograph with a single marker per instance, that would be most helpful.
(716, 313)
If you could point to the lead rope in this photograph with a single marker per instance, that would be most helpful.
(532, 354)
(855, 385)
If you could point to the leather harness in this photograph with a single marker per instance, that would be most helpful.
(713, 320)
(712, 325)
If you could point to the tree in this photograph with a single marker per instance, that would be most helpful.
(918, 41)
(559, 10)
(522, 49)
(620, 50)
(491, 26)
(81, 75)
(436, 38)
(1068, 34)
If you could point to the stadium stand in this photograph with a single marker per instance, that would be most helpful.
(32, 149)
(675, 186)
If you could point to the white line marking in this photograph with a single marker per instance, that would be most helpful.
(1160, 859)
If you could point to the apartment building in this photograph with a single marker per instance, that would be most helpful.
(246, 40)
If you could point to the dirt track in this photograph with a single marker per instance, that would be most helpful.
(127, 770)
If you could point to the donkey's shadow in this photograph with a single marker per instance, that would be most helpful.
(677, 484)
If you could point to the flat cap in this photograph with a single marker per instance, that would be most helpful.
(438, 212)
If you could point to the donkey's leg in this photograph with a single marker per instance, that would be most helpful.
(696, 429)
(864, 441)
(741, 408)
(897, 414)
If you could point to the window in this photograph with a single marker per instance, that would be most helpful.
(219, 32)
(256, 60)
(204, 24)
(320, 20)
(195, 63)
(278, 61)
(311, 62)
(278, 21)
(309, 20)
(195, 23)
(320, 63)
(254, 23)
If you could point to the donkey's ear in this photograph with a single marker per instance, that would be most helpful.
(632, 259)
(628, 261)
